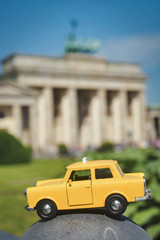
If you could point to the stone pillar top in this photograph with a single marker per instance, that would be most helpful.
(92, 225)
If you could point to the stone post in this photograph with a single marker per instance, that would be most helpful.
(85, 225)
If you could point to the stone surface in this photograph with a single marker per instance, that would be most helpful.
(7, 236)
(90, 225)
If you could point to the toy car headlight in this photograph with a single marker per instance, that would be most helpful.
(35, 184)
(144, 183)
(25, 192)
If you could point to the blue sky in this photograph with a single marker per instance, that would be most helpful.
(128, 30)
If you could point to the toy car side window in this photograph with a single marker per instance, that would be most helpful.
(103, 173)
(80, 175)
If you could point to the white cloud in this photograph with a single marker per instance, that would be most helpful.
(143, 49)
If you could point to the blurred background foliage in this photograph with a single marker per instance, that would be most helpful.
(14, 178)
(145, 213)
(62, 149)
(12, 150)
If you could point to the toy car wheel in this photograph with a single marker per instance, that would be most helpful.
(46, 209)
(115, 205)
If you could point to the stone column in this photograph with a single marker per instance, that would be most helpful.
(153, 132)
(159, 124)
(137, 122)
(117, 118)
(69, 111)
(98, 117)
(123, 100)
(102, 93)
(33, 122)
(143, 115)
(73, 102)
(17, 116)
(65, 114)
(95, 122)
(49, 115)
(45, 121)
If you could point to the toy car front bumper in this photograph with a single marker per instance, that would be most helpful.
(147, 196)
(29, 209)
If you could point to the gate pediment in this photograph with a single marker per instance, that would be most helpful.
(8, 88)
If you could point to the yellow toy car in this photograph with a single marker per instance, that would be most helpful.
(88, 184)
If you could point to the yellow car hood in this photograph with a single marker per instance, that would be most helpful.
(50, 182)
(133, 175)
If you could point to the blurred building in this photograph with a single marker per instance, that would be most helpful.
(79, 99)
(153, 125)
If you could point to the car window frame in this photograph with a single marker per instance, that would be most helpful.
(80, 176)
(103, 178)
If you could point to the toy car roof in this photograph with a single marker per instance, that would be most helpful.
(88, 164)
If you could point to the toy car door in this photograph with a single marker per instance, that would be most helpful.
(79, 188)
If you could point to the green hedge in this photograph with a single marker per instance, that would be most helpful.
(106, 147)
(62, 149)
(12, 150)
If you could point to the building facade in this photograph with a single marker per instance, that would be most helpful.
(153, 124)
(79, 100)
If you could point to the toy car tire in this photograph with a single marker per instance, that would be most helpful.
(115, 205)
(46, 209)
